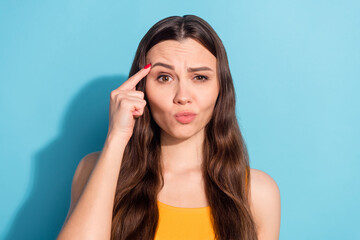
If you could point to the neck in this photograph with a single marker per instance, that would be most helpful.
(181, 155)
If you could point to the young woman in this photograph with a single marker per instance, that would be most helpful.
(174, 164)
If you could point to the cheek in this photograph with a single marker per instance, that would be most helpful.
(159, 110)
(157, 101)
(208, 98)
(150, 92)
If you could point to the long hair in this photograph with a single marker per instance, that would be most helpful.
(225, 165)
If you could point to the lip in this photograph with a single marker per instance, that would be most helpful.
(184, 113)
(185, 116)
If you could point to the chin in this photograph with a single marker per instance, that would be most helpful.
(182, 133)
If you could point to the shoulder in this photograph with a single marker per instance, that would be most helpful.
(81, 176)
(83, 171)
(265, 204)
(87, 163)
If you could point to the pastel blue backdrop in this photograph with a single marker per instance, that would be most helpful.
(296, 69)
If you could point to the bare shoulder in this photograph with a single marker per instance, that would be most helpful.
(265, 204)
(86, 164)
(81, 176)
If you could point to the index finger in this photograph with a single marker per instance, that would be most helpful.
(130, 84)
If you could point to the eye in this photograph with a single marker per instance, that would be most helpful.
(165, 76)
(201, 78)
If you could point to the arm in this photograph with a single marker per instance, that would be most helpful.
(94, 188)
(93, 192)
(265, 205)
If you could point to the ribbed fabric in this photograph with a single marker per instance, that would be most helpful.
(177, 223)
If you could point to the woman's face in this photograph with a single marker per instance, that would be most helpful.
(175, 85)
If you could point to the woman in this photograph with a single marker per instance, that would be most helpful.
(174, 164)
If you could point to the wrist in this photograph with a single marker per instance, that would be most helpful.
(118, 140)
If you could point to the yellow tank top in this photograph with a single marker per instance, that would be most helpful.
(177, 223)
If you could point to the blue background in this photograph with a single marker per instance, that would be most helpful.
(295, 65)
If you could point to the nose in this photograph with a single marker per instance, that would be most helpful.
(183, 93)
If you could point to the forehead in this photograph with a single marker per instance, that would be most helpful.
(188, 52)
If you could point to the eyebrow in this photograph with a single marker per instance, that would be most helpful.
(189, 69)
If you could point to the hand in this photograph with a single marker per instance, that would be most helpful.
(126, 104)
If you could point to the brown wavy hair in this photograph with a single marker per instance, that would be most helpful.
(225, 165)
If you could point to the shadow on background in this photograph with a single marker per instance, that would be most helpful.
(83, 130)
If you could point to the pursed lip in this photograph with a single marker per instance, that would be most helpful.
(184, 113)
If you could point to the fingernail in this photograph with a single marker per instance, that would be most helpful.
(147, 66)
